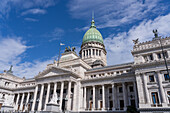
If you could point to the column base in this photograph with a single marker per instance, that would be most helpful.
(113, 109)
(125, 108)
(103, 109)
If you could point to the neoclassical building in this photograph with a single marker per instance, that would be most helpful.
(84, 82)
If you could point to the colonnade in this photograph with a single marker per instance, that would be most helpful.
(106, 97)
(90, 53)
(42, 97)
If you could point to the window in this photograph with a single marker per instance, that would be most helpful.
(166, 76)
(96, 52)
(168, 94)
(120, 90)
(99, 52)
(151, 57)
(151, 78)
(159, 55)
(65, 90)
(86, 52)
(100, 91)
(91, 92)
(110, 90)
(83, 53)
(89, 52)
(131, 88)
(155, 98)
(166, 54)
(93, 51)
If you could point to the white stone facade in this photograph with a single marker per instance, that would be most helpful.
(79, 87)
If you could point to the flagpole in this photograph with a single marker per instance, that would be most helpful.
(59, 55)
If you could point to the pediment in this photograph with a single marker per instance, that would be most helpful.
(53, 71)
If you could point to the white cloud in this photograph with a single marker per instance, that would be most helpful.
(110, 13)
(7, 5)
(31, 19)
(56, 34)
(34, 11)
(12, 53)
(119, 46)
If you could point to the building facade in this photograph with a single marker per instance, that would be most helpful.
(84, 82)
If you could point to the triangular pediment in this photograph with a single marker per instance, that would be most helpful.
(53, 71)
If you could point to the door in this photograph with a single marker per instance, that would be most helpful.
(0, 105)
(111, 105)
(121, 104)
(133, 103)
(63, 105)
(101, 105)
(91, 105)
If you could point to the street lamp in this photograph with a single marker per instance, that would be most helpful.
(163, 53)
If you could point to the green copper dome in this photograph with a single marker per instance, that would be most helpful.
(92, 35)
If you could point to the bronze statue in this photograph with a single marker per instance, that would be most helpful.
(136, 41)
(155, 33)
(73, 49)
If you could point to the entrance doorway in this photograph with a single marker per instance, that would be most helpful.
(63, 105)
(121, 104)
(0, 105)
(101, 105)
(133, 103)
(91, 105)
(111, 104)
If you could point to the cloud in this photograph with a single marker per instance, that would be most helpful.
(34, 11)
(111, 13)
(7, 5)
(31, 19)
(119, 46)
(12, 52)
(56, 34)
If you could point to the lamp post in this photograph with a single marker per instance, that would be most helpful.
(163, 53)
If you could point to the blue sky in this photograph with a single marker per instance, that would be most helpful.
(31, 30)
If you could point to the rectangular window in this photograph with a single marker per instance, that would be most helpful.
(83, 53)
(151, 57)
(89, 52)
(91, 92)
(166, 54)
(159, 55)
(120, 90)
(155, 98)
(151, 78)
(131, 88)
(100, 91)
(93, 51)
(99, 52)
(110, 90)
(166, 76)
(96, 52)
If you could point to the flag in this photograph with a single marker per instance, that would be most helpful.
(61, 44)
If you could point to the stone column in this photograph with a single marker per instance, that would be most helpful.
(136, 98)
(113, 96)
(55, 88)
(35, 97)
(94, 100)
(22, 100)
(61, 94)
(124, 95)
(68, 94)
(47, 96)
(140, 89)
(17, 101)
(146, 89)
(161, 90)
(103, 97)
(41, 96)
(26, 104)
(85, 90)
(75, 97)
